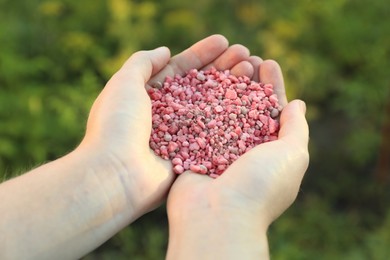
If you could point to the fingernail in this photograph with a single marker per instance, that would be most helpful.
(160, 48)
(302, 105)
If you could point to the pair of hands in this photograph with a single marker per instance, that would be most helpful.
(70, 206)
(256, 188)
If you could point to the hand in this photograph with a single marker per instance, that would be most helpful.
(120, 121)
(85, 197)
(228, 217)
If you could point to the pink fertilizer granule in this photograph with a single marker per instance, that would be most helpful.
(205, 120)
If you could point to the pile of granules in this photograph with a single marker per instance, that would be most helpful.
(205, 120)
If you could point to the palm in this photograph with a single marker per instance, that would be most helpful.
(255, 179)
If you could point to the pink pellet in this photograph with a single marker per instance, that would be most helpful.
(268, 89)
(274, 113)
(241, 86)
(264, 119)
(167, 137)
(194, 146)
(163, 127)
(218, 109)
(207, 164)
(176, 161)
(185, 154)
(212, 123)
(205, 120)
(231, 94)
(201, 142)
(195, 168)
(214, 175)
(172, 146)
(273, 125)
(178, 169)
(253, 114)
(202, 169)
(222, 160)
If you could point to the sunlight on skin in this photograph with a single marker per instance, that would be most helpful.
(212, 51)
(253, 191)
(118, 177)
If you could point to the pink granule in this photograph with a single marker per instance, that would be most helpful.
(205, 120)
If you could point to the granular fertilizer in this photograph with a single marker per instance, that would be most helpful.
(205, 120)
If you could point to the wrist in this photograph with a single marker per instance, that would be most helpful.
(112, 179)
(140, 180)
(215, 233)
(79, 201)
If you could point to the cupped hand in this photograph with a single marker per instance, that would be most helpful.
(263, 182)
(119, 124)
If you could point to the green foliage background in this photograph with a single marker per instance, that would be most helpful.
(56, 55)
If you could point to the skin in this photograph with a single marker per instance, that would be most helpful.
(227, 218)
(68, 207)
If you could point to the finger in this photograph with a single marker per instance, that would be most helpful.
(231, 57)
(294, 136)
(255, 61)
(244, 68)
(124, 86)
(294, 129)
(270, 72)
(142, 65)
(197, 56)
(124, 96)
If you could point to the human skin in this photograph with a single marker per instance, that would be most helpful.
(228, 217)
(68, 207)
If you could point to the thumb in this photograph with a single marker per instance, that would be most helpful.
(293, 125)
(125, 94)
(144, 64)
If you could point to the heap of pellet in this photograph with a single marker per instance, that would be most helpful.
(205, 120)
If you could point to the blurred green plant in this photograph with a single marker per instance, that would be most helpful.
(56, 56)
